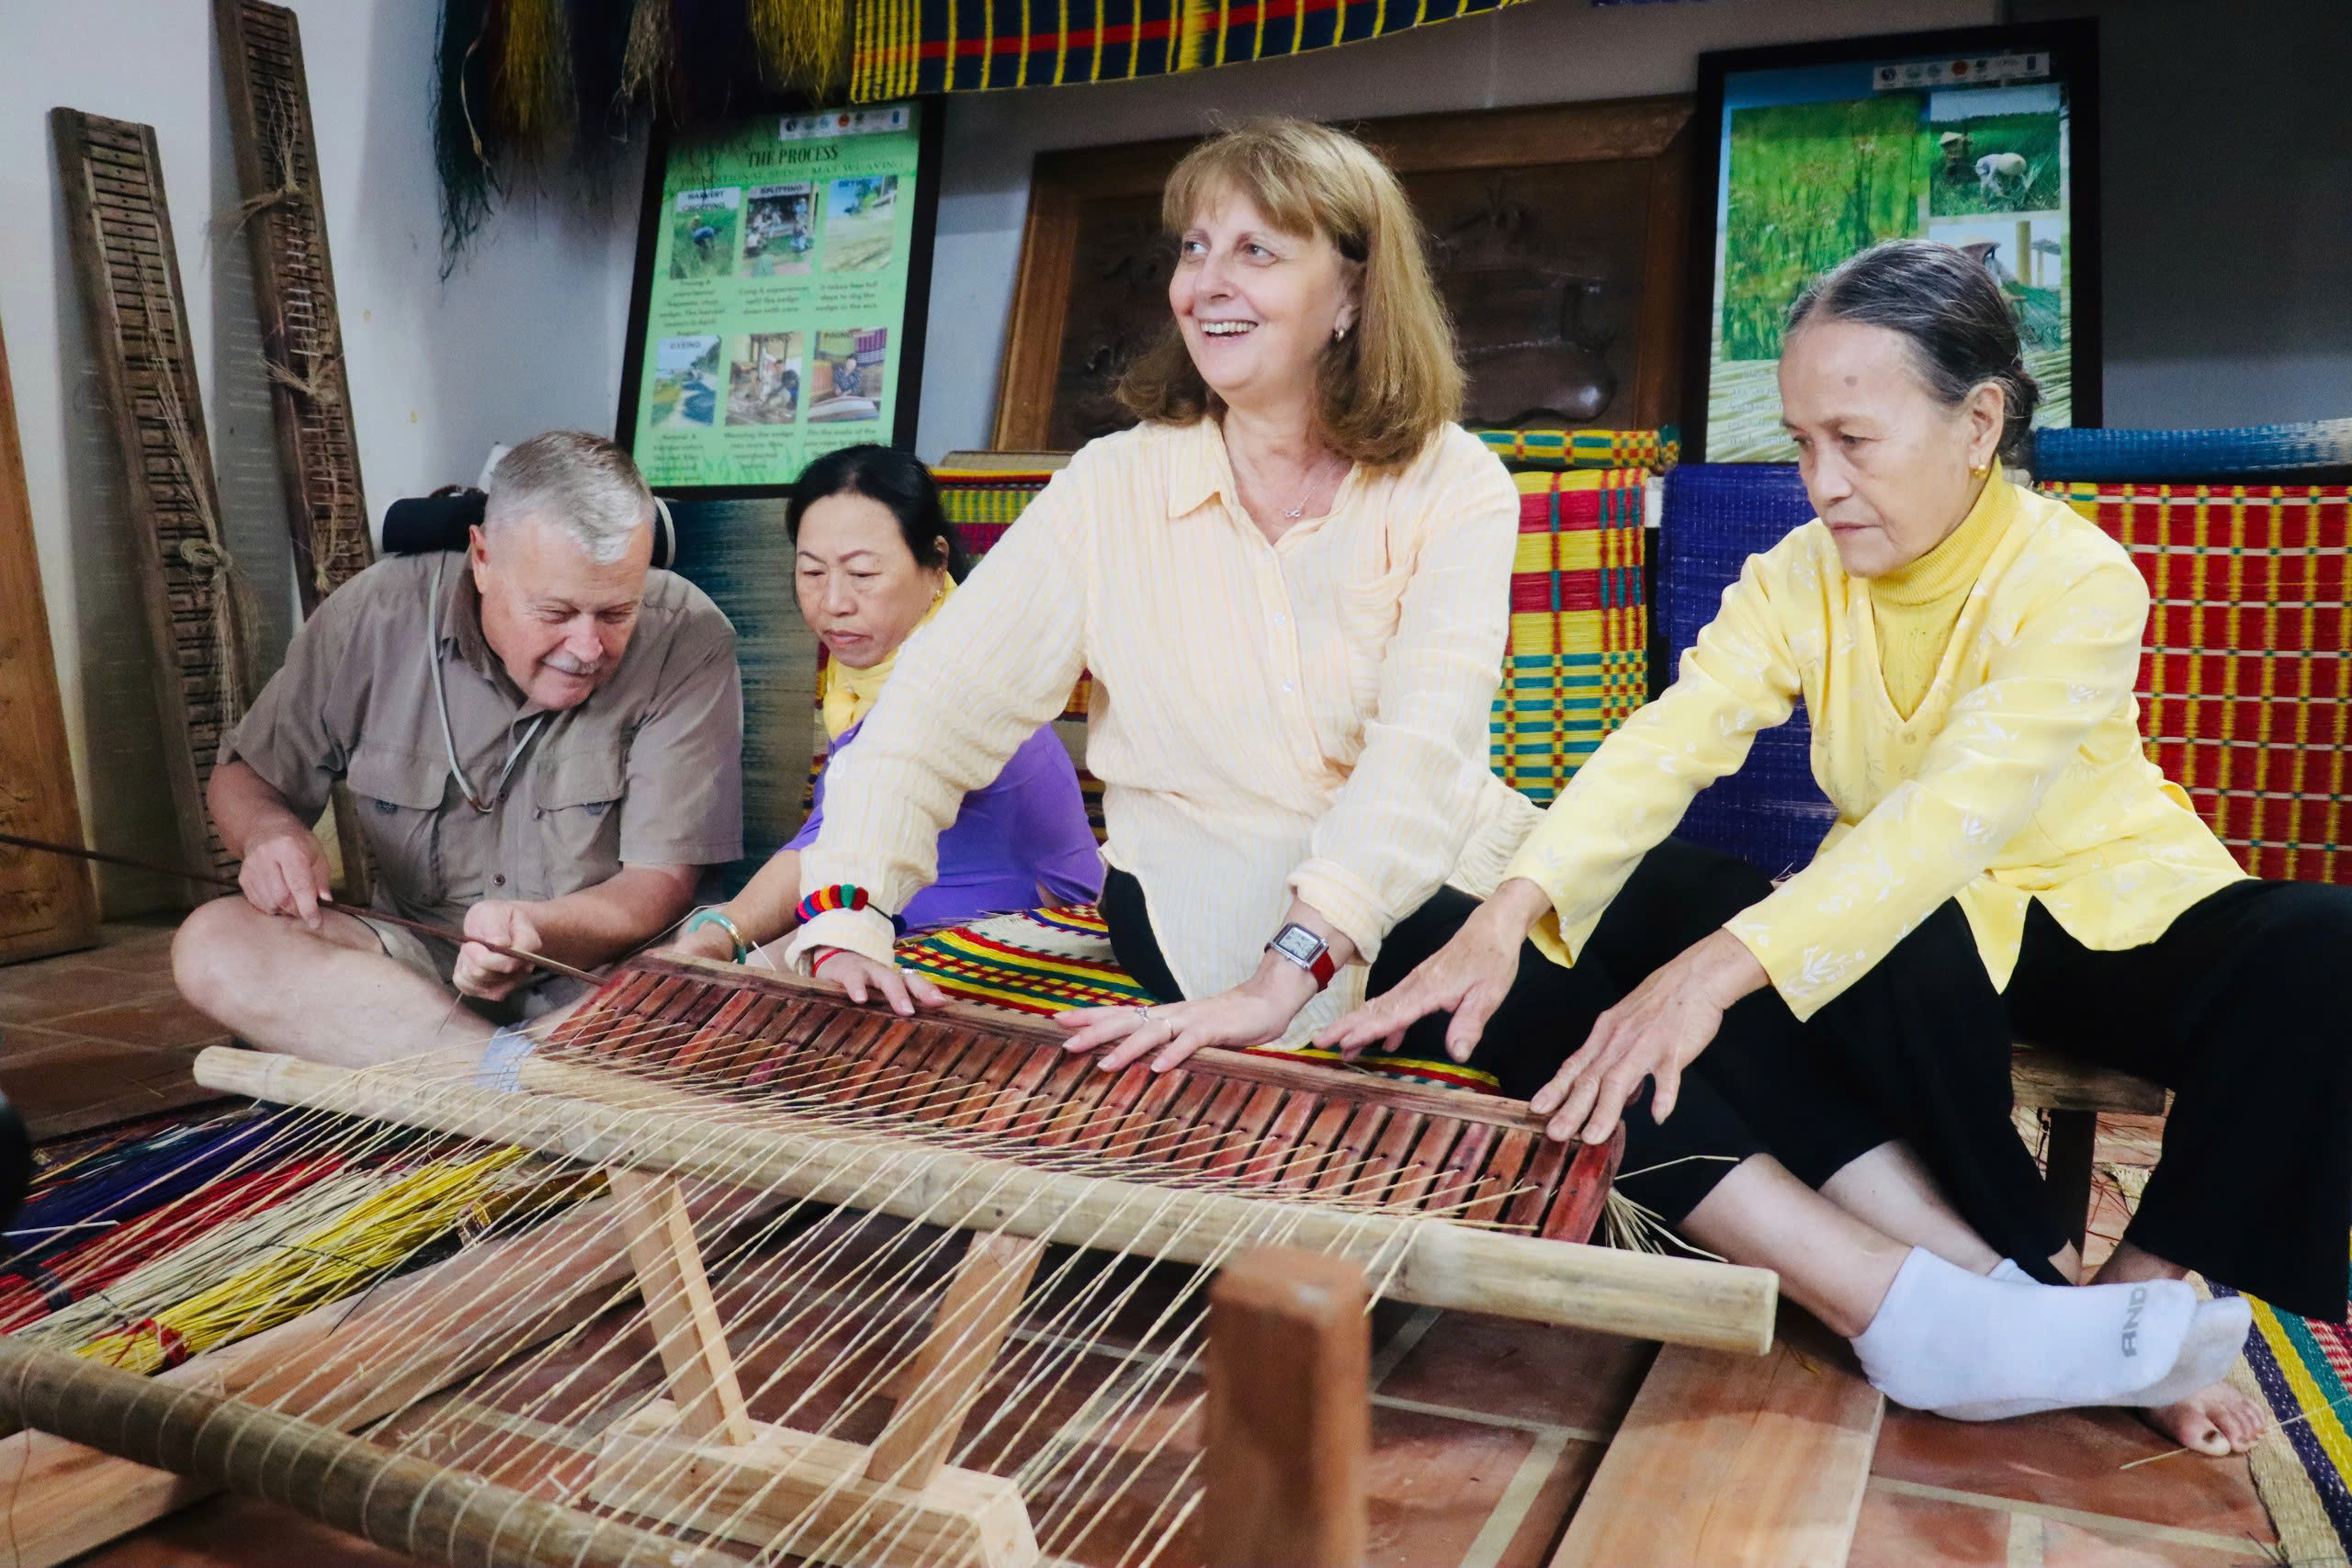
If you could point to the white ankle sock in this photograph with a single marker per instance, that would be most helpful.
(2216, 1339)
(1976, 1348)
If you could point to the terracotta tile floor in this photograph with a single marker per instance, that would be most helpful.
(1487, 1432)
(91, 1038)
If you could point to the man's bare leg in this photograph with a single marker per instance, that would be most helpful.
(2216, 1420)
(329, 995)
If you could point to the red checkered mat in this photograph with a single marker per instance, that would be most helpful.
(2243, 687)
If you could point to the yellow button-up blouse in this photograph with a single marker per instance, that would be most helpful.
(1304, 716)
(2019, 775)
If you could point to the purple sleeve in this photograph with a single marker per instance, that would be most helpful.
(807, 834)
(1051, 833)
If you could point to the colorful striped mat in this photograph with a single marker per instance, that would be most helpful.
(1576, 664)
(1042, 961)
(2245, 685)
(1656, 450)
(901, 46)
(2302, 1370)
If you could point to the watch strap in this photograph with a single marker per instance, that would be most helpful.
(1323, 966)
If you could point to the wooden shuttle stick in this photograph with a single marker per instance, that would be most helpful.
(1426, 1261)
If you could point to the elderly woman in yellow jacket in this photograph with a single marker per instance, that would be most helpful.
(2007, 864)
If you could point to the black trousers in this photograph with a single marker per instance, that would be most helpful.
(1761, 1088)
(2240, 1007)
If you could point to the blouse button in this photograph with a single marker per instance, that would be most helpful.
(1288, 687)
(498, 880)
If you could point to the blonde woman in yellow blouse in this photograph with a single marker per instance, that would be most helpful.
(2007, 864)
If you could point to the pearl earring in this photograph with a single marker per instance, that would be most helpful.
(1339, 334)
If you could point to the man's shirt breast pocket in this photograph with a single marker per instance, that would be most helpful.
(578, 820)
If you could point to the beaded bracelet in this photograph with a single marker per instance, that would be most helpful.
(840, 895)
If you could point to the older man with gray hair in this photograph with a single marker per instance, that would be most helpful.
(543, 742)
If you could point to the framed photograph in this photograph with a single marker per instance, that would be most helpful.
(783, 279)
(1558, 236)
(1987, 138)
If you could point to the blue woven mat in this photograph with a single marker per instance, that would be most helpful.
(2309, 448)
(1716, 515)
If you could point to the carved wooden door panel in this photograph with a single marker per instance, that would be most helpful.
(46, 901)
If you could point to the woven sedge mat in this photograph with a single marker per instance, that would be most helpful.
(2302, 1469)
(1042, 961)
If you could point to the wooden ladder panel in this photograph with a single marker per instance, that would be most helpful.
(1736, 1461)
(128, 269)
(285, 220)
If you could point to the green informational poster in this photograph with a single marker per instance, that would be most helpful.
(1983, 141)
(778, 263)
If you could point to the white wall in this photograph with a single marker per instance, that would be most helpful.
(2226, 149)
(525, 335)
(1542, 52)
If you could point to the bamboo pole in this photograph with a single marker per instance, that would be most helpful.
(1427, 1261)
(401, 1504)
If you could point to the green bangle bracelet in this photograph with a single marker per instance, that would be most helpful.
(717, 918)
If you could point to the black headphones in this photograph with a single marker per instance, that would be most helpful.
(424, 523)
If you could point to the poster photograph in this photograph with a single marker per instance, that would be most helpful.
(781, 261)
(1978, 143)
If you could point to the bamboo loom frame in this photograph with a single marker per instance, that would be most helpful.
(602, 1118)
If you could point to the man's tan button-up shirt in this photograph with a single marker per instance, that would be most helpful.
(646, 772)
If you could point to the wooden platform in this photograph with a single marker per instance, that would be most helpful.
(1736, 1461)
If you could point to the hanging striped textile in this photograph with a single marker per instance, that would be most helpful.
(2243, 693)
(901, 46)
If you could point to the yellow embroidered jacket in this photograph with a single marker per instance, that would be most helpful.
(2019, 775)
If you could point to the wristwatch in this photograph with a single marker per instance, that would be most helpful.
(1306, 950)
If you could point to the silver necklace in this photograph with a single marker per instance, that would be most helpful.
(1294, 514)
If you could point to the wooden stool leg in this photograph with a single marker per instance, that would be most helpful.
(2074, 1137)
(1289, 1438)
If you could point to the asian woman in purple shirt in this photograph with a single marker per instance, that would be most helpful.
(873, 556)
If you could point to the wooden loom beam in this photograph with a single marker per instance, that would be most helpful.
(1426, 1261)
(697, 1459)
(403, 1503)
(687, 1333)
(1288, 1450)
(981, 1302)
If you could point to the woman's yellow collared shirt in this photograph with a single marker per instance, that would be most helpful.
(1308, 717)
(2019, 775)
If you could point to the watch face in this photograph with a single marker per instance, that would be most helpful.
(1298, 944)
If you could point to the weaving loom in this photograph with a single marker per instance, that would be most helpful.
(787, 1177)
